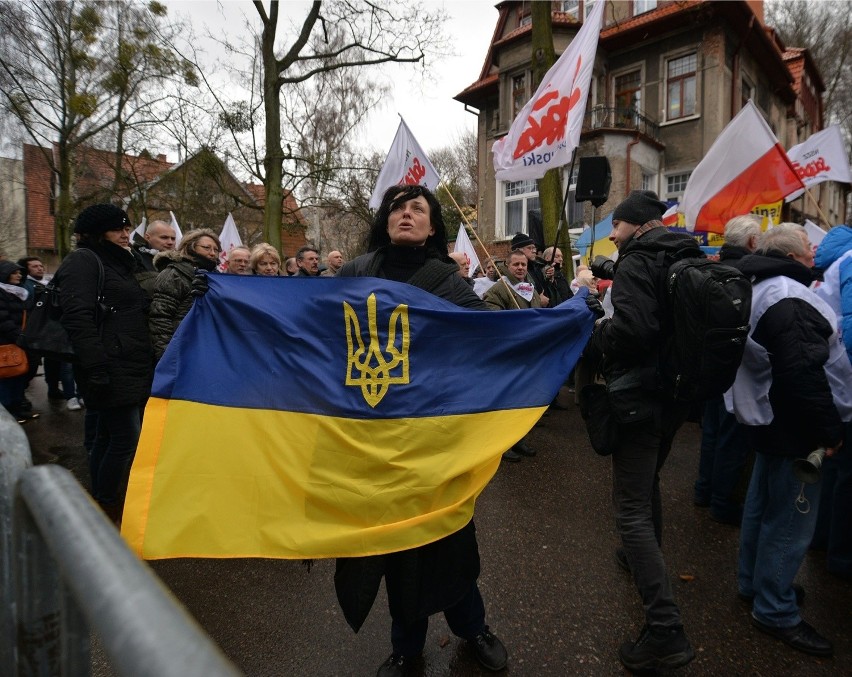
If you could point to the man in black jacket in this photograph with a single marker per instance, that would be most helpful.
(793, 390)
(632, 345)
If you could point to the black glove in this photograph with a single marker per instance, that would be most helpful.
(200, 286)
(593, 303)
(602, 268)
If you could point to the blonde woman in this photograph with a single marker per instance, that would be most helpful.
(265, 260)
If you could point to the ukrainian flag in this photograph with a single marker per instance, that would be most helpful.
(331, 417)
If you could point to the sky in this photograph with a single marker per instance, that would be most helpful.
(428, 108)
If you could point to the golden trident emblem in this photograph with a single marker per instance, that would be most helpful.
(367, 366)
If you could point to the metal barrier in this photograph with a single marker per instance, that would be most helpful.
(66, 570)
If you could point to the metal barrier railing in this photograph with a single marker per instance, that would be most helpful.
(66, 570)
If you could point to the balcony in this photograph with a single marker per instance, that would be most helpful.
(626, 119)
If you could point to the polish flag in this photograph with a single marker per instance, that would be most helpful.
(670, 217)
(745, 167)
(406, 163)
(547, 130)
(229, 238)
(465, 246)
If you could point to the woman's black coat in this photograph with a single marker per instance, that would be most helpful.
(11, 307)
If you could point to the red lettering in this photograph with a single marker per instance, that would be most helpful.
(811, 169)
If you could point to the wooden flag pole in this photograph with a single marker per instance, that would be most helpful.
(816, 204)
(487, 254)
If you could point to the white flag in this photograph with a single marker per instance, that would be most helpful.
(547, 130)
(140, 230)
(465, 246)
(406, 163)
(822, 157)
(229, 238)
(815, 233)
(178, 234)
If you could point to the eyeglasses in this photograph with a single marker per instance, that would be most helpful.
(212, 248)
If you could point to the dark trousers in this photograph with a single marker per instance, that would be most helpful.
(834, 522)
(636, 465)
(112, 451)
(724, 451)
(466, 619)
(56, 371)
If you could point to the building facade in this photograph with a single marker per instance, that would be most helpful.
(668, 77)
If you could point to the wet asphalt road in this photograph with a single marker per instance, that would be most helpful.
(552, 590)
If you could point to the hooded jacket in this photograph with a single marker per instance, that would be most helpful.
(834, 257)
(11, 306)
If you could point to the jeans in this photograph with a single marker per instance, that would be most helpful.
(12, 392)
(56, 371)
(466, 619)
(636, 465)
(778, 523)
(112, 451)
(833, 531)
(724, 450)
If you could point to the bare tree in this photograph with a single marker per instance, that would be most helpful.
(457, 165)
(335, 35)
(70, 71)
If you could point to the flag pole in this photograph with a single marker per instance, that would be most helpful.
(476, 235)
(816, 204)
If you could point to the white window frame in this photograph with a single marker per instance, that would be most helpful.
(683, 175)
(577, 11)
(501, 226)
(642, 6)
(664, 90)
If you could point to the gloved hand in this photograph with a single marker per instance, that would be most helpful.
(200, 286)
(602, 268)
(593, 303)
(98, 384)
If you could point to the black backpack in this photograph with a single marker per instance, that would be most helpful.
(710, 309)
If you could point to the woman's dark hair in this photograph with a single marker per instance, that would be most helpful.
(396, 195)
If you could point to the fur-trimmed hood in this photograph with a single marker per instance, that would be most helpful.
(164, 258)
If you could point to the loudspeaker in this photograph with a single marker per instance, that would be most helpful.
(593, 180)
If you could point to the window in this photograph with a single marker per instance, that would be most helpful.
(571, 7)
(680, 82)
(519, 197)
(628, 94)
(747, 92)
(642, 6)
(648, 182)
(676, 184)
(519, 94)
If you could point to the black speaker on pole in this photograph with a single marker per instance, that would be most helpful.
(593, 180)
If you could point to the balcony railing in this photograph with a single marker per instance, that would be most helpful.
(605, 117)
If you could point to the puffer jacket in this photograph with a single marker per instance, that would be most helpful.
(834, 257)
(111, 339)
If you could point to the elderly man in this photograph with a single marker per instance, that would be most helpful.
(794, 391)
(333, 263)
(238, 261)
(307, 259)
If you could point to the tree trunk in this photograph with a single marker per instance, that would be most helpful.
(64, 203)
(543, 58)
(273, 161)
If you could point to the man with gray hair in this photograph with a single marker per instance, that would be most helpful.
(793, 391)
(238, 261)
(724, 441)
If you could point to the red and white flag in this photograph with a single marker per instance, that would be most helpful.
(229, 238)
(822, 157)
(547, 130)
(407, 164)
(178, 234)
(465, 246)
(745, 167)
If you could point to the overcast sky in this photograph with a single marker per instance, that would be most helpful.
(433, 116)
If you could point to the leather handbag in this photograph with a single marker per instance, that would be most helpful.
(13, 361)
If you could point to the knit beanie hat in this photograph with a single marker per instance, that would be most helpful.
(640, 207)
(99, 219)
(521, 240)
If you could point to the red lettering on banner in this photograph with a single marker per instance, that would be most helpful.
(416, 172)
(811, 169)
(551, 126)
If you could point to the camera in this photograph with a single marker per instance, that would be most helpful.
(603, 268)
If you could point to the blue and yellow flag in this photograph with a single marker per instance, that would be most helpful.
(326, 417)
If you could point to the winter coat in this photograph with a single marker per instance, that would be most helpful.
(172, 297)
(499, 297)
(834, 257)
(11, 307)
(794, 335)
(633, 341)
(111, 339)
(428, 579)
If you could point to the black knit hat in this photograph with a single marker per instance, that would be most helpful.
(99, 219)
(640, 207)
(521, 240)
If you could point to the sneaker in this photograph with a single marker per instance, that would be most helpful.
(26, 416)
(512, 456)
(801, 637)
(73, 404)
(666, 648)
(489, 650)
(397, 665)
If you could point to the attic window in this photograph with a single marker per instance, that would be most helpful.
(571, 7)
(642, 6)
